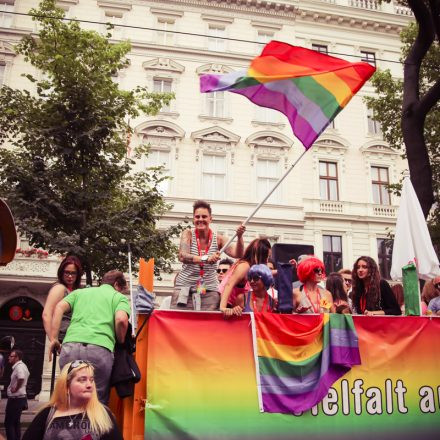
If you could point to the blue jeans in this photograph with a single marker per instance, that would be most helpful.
(99, 357)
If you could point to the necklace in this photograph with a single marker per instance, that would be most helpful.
(264, 308)
(71, 419)
(318, 300)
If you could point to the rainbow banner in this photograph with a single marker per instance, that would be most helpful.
(309, 87)
(201, 382)
(298, 361)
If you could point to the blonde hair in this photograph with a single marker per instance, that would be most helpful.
(100, 421)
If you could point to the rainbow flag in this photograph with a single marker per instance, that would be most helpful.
(309, 87)
(299, 360)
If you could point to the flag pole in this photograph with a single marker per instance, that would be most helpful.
(133, 310)
(264, 200)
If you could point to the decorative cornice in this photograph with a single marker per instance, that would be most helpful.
(216, 18)
(213, 68)
(66, 4)
(163, 65)
(160, 128)
(353, 18)
(114, 5)
(6, 50)
(263, 7)
(266, 25)
(378, 148)
(215, 134)
(166, 12)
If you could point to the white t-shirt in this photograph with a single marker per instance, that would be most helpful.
(19, 371)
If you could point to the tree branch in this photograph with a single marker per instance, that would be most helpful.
(431, 97)
(420, 47)
(435, 14)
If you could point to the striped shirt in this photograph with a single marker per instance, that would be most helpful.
(190, 273)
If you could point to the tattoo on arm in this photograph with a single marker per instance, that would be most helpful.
(185, 248)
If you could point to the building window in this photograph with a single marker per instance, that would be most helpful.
(160, 158)
(380, 181)
(328, 181)
(322, 48)
(374, 126)
(263, 37)
(266, 115)
(163, 86)
(115, 20)
(267, 176)
(214, 177)
(6, 18)
(216, 38)
(384, 254)
(165, 34)
(2, 74)
(215, 104)
(368, 57)
(332, 245)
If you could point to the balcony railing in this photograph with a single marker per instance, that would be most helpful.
(330, 207)
(365, 4)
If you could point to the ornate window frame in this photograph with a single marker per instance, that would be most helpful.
(160, 135)
(330, 148)
(166, 69)
(7, 56)
(215, 69)
(215, 141)
(378, 153)
(269, 145)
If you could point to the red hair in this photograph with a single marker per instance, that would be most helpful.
(305, 269)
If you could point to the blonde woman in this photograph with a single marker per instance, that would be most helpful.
(74, 409)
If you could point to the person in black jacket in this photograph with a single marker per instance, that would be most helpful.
(371, 295)
(74, 410)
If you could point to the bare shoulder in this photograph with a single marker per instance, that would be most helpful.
(57, 291)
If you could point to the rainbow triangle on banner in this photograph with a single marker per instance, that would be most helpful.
(309, 87)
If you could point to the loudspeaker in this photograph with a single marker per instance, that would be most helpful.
(283, 252)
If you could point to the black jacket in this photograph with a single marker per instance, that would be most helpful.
(125, 372)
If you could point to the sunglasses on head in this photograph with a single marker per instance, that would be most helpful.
(437, 286)
(254, 278)
(318, 270)
(222, 270)
(76, 364)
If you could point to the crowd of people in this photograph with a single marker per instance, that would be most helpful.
(359, 290)
(85, 324)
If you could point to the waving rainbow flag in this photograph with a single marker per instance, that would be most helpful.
(300, 359)
(309, 87)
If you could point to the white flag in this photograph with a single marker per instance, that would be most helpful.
(412, 242)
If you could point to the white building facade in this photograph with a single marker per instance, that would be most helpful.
(224, 149)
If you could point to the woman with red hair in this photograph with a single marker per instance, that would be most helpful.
(309, 297)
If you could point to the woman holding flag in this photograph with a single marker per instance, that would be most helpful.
(196, 285)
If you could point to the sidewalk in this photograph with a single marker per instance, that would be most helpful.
(26, 417)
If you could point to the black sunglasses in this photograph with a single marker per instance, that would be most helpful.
(318, 270)
(222, 270)
(76, 364)
(254, 278)
(437, 286)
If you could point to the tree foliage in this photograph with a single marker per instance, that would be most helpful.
(64, 166)
(416, 99)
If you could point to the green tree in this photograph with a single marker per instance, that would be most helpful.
(416, 100)
(64, 166)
